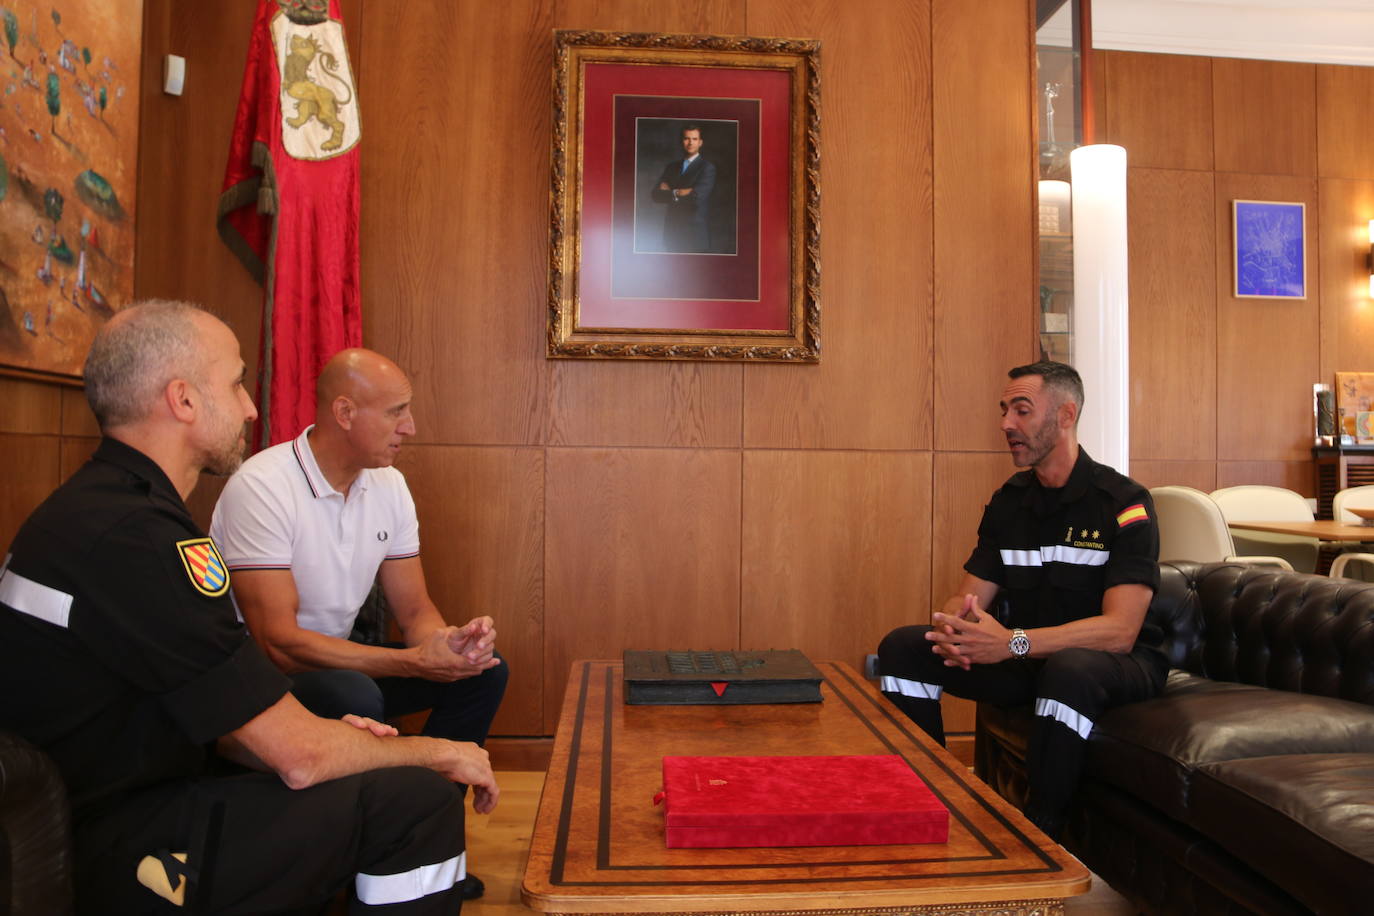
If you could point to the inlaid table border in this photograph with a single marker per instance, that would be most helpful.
(835, 675)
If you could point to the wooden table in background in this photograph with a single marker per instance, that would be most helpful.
(1326, 530)
(598, 844)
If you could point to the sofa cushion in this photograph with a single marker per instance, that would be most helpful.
(1151, 749)
(1304, 821)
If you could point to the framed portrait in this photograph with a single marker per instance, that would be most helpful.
(1270, 249)
(685, 204)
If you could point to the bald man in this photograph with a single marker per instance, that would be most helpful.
(120, 647)
(306, 527)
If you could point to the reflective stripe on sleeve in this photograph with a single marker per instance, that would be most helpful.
(35, 599)
(1063, 714)
(1020, 557)
(906, 688)
(383, 890)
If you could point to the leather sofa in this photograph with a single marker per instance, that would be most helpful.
(1248, 784)
(35, 832)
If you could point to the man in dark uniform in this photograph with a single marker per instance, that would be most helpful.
(1069, 550)
(686, 186)
(181, 749)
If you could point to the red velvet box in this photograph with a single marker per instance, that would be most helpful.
(798, 801)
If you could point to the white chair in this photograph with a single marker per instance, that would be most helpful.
(1356, 497)
(1191, 527)
(1252, 503)
(1359, 498)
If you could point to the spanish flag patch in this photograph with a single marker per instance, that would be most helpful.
(1132, 514)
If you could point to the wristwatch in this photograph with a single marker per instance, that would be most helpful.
(1019, 644)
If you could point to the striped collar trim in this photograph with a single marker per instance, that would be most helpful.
(320, 487)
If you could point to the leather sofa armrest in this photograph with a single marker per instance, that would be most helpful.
(35, 832)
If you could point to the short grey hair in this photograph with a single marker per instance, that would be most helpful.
(136, 354)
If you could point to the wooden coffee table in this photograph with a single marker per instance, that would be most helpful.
(598, 844)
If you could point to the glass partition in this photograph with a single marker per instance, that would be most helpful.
(1059, 129)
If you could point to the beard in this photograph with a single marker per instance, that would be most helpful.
(1040, 444)
(225, 452)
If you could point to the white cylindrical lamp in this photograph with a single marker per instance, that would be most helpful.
(1101, 317)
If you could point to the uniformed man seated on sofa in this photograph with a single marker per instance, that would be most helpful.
(1070, 549)
(306, 527)
(121, 656)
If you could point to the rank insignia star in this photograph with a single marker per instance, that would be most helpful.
(1096, 534)
(1083, 533)
(204, 566)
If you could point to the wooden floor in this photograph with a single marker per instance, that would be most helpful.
(499, 842)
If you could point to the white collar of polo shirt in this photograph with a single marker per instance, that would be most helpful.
(320, 487)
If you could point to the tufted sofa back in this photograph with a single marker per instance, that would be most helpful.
(1259, 625)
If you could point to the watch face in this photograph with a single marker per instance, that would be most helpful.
(1019, 644)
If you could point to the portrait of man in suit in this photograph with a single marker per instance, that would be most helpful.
(684, 188)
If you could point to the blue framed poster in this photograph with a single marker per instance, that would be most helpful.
(1270, 249)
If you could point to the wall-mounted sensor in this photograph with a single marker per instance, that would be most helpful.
(173, 74)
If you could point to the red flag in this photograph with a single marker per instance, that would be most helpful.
(289, 208)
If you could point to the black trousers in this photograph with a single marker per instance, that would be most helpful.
(462, 710)
(258, 847)
(1070, 690)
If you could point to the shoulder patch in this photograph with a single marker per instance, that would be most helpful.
(204, 566)
(1131, 515)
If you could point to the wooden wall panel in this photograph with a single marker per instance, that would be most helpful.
(77, 419)
(642, 549)
(1266, 348)
(875, 236)
(712, 17)
(29, 407)
(1173, 319)
(964, 482)
(1200, 475)
(692, 405)
(39, 458)
(1345, 140)
(984, 285)
(836, 549)
(455, 203)
(1161, 128)
(1294, 475)
(483, 550)
(1347, 311)
(183, 146)
(1266, 116)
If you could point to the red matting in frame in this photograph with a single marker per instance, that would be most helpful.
(698, 291)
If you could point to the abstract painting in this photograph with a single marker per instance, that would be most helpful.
(69, 75)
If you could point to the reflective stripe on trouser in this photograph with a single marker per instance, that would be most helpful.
(280, 850)
(914, 689)
(1073, 689)
(379, 890)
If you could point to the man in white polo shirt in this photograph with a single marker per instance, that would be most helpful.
(307, 526)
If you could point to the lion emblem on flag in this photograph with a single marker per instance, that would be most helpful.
(319, 114)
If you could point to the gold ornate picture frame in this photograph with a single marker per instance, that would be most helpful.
(685, 198)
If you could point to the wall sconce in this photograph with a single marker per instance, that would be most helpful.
(1369, 259)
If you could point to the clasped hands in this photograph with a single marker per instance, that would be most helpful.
(451, 653)
(970, 637)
